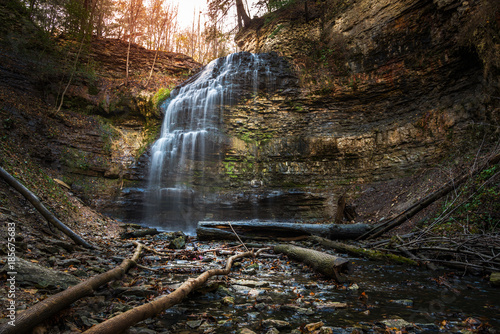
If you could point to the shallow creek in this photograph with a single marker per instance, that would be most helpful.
(276, 295)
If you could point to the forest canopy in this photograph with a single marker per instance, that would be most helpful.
(154, 24)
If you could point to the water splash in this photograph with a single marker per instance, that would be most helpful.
(192, 136)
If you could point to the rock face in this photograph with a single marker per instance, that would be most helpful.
(385, 89)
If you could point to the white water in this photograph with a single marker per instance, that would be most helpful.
(192, 134)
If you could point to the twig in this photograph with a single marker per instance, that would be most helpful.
(237, 236)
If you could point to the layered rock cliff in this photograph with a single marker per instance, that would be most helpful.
(386, 88)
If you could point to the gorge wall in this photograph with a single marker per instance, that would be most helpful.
(374, 91)
(383, 89)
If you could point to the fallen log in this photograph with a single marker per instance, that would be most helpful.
(42, 209)
(124, 320)
(29, 319)
(139, 233)
(323, 263)
(366, 253)
(217, 230)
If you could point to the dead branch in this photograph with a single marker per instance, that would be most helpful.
(43, 310)
(326, 264)
(359, 251)
(42, 209)
(124, 320)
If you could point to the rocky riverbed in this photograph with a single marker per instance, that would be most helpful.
(268, 294)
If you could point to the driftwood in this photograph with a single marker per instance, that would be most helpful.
(366, 253)
(124, 320)
(29, 319)
(42, 209)
(139, 233)
(323, 263)
(216, 230)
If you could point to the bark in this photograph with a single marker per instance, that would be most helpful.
(124, 320)
(42, 209)
(359, 251)
(216, 230)
(243, 18)
(29, 319)
(340, 209)
(139, 233)
(323, 263)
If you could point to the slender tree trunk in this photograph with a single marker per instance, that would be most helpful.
(124, 320)
(43, 310)
(42, 209)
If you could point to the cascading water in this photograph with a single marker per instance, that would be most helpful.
(192, 138)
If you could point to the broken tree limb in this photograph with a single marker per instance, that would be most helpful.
(124, 320)
(323, 263)
(217, 230)
(359, 251)
(29, 319)
(42, 209)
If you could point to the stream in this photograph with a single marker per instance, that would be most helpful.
(275, 295)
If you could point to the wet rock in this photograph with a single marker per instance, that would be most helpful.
(135, 330)
(314, 326)
(428, 327)
(326, 330)
(272, 330)
(330, 306)
(69, 262)
(397, 323)
(228, 300)
(281, 324)
(252, 283)
(194, 323)
(136, 291)
(246, 331)
(178, 243)
(32, 274)
(405, 302)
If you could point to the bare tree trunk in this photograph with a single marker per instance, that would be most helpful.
(363, 252)
(243, 18)
(326, 264)
(340, 209)
(208, 230)
(29, 319)
(42, 209)
(124, 320)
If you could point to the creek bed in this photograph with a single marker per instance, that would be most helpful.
(278, 295)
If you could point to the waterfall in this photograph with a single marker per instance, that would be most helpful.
(190, 146)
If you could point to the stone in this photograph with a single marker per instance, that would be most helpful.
(405, 302)
(314, 326)
(228, 300)
(194, 323)
(246, 331)
(280, 324)
(252, 283)
(272, 330)
(32, 274)
(395, 323)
